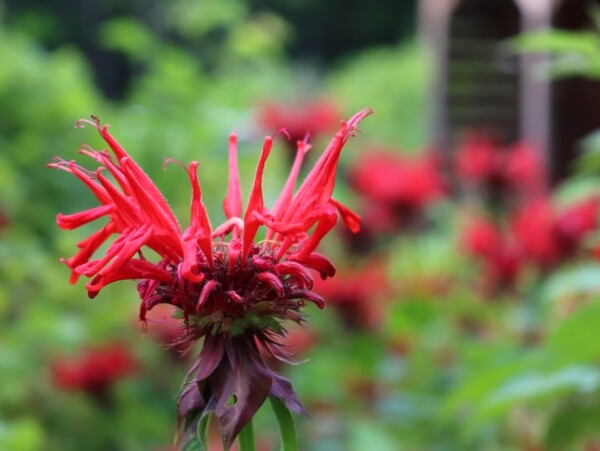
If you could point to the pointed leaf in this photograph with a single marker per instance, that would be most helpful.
(240, 385)
(283, 390)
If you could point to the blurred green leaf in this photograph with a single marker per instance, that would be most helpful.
(196, 19)
(21, 435)
(570, 426)
(573, 52)
(572, 342)
(394, 82)
(558, 41)
(263, 35)
(371, 436)
(583, 279)
(527, 387)
(130, 37)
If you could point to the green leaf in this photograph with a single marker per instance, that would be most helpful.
(193, 445)
(478, 385)
(557, 41)
(578, 280)
(287, 429)
(594, 13)
(572, 424)
(24, 435)
(535, 385)
(574, 340)
(371, 435)
(574, 52)
(246, 438)
(130, 37)
(201, 431)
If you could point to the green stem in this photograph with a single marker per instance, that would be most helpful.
(287, 428)
(246, 438)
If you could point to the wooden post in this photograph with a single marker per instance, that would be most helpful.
(535, 90)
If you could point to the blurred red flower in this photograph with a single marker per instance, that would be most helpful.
(4, 220)
(548, 236)
(166, 329)
(358, 295)
(396, 188)
(95, 369)
(500, 170)
(311, 118)
(483, 240)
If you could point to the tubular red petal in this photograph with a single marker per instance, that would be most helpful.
(127, 212)
(351, 219)
(150, 199)
(296, 270)
(315, 299)
(325, 222)
(271, 279)
(94, 187)
(207, 289)
(228, 226)
(318, 185)
(285, 228)
(235, 249)
(121, 250)
(117, 172)
(234, 296)
(75, 220)
(87, 249)
(232, 205)
(255, 202)
(285, 198)
(134, 269)
(112, 142)
(312, 203)
(320, 263)
(200, 229)
(190, 260)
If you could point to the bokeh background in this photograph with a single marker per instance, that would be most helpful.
(464, 316)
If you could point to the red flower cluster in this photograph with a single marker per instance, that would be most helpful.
(500, 258)
(538, 234)
(498, 170)
(357, 294)
(94, 370)
(233, 293)
(312, 119)
(397, 189)
(547, 236)
(4, 220)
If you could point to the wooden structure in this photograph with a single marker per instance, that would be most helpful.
(480, 85)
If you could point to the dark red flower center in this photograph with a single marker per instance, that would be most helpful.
(232, 295)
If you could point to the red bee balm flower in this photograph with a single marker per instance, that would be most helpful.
(235, 294)
(498, 255)
(516, 169)
(358, 295)
(548, 236)
(398, 189)
(312, 118)
(94, 370)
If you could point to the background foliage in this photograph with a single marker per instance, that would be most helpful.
(446, 366)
